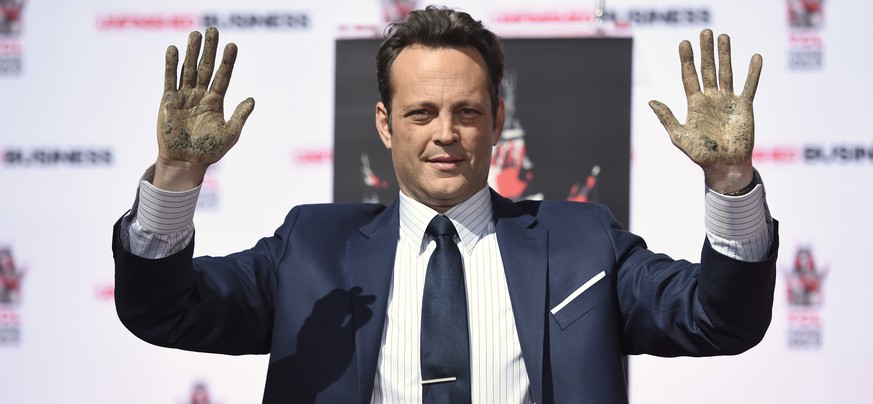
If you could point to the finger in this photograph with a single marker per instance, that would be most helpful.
(207, 60)
(240, 115)
(752, 79)
(225, 70)
(171, 64)
(707, 61)
(665, 115)
(689, 74)
(725, 71)
(189, 66)
(361, 299)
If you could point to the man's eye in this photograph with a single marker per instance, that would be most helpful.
(418, 113)
(469, 112)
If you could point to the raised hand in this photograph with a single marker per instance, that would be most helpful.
(192, 132)
(719, 131)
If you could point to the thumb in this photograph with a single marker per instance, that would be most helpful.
(665, 116)
(240, 115)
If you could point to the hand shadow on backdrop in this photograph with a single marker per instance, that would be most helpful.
(325, 347)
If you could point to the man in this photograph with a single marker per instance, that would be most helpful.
(552, 294)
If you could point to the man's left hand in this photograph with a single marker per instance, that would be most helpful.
(719, 131)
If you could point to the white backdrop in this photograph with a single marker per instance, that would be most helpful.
(79, 89)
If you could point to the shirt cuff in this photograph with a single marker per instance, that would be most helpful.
(165, 212)
(738, 226)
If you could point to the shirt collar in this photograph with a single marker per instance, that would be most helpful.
(471, 218)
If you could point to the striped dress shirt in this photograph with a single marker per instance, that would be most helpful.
(496, 367)
(161, 224)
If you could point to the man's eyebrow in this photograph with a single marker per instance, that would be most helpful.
(416, 105)
(463, 103)
(469, 103)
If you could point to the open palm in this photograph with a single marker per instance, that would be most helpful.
(191, 126)
(719, 130)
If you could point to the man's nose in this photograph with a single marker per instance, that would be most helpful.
(444, 130)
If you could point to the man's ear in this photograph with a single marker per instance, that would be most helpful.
(383, 125)
(499, 121)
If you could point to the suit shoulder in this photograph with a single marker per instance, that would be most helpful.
(343, 208)
(336, 214)
(566, 210)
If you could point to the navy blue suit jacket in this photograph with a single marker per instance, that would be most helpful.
(314, 296)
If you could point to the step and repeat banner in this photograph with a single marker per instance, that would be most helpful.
(80, 84)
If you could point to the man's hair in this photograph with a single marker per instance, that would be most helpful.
(438, 27)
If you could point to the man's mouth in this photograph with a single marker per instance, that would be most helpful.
(445, 163)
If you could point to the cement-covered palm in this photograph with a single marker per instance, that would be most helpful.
(191, 126)
(719, 130)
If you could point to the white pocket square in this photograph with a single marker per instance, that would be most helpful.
(578, 292)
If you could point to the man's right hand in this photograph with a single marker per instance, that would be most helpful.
(192, 133)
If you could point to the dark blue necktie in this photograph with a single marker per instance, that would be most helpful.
(445, 341)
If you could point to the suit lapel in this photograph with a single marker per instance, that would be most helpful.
(524, 249)
(371, 263)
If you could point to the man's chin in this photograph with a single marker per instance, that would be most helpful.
(442, 200)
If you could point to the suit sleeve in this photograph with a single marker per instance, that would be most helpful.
(206, 304)
(721, 306)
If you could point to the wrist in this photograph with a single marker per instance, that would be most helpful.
(732, 180)
(178, 176)
(748, 188)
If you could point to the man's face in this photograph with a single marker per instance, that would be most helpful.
(443, 128)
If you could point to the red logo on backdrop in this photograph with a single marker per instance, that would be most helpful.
(130, 21)
(11, 277)
(10, 48)
(777, 154)
(104, 292)
(11, 17)
(837, 153)
(200, 394)
(393, 10)
(544, 16)
(11, 25)
(373, 183)
(621, 18)
(805, 292)
(187, 21)
(806, 13)
(805, 280)
(805, 44)
(312, 157)
(512, 170)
